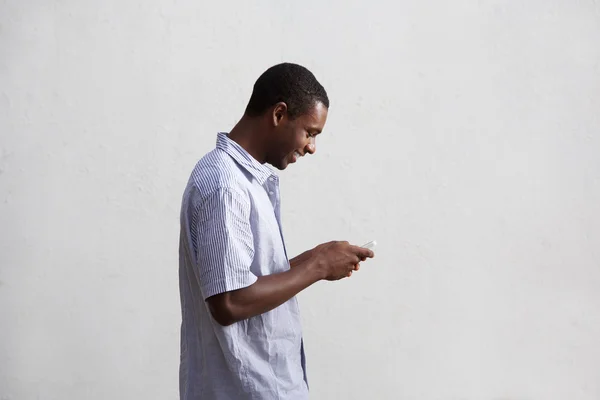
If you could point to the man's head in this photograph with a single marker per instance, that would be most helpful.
(294, 106)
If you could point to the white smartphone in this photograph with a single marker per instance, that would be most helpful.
(369, 245)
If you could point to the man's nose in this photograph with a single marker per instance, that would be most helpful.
(311, 147)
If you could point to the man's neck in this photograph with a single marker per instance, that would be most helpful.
(248, 133)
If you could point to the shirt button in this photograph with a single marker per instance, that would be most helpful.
(271, 192)
(272, 179)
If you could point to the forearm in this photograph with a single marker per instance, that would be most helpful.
(299, 259)
(267, 293)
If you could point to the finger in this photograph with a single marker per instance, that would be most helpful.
(357, 267)
(362, 252)
(349, 274)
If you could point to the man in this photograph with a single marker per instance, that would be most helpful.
(241, 336)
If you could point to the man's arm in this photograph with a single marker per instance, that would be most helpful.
(267, 293)
(225, 254)
(330, 261)
(299, 259)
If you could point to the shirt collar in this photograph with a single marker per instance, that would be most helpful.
(260, 171)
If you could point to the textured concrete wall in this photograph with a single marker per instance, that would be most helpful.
(463, 136)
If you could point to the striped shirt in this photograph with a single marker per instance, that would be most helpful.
(230, 235)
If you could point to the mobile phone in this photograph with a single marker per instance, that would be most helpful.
(369, 245)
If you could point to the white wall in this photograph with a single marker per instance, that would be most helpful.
(463, 136)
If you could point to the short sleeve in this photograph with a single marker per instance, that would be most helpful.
(225, 243)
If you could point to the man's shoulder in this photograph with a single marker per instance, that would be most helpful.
(217, 171)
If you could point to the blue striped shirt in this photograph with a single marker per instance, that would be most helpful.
(230, 235)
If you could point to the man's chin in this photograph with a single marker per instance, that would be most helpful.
(281, 165)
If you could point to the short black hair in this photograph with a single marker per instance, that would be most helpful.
(290, 83)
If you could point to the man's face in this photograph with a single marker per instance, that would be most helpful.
(293, 138)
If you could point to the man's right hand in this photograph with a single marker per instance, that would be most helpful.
(337, 260)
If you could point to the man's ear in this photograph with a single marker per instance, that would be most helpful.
(279, 113)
